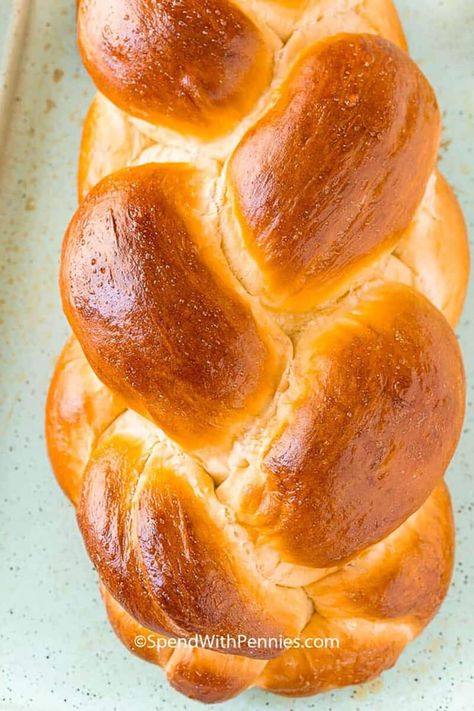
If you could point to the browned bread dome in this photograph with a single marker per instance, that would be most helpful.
(263, 390)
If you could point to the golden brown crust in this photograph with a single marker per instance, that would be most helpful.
(289, 17)
(436, 250)
(365, 651)
(211, 677)
(202, 674)
(167, 553)
(109, 142)
(138, 290)
(366, 611)
(373, 606)
(128, 629)
(194, 65)
(334, 173)
(404, 577)
(384, 19)
(370, 435)
(277, 403)
(78, 410)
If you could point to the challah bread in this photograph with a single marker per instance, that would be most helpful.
(263, 392)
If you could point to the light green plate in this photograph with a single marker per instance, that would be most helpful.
(57, 649)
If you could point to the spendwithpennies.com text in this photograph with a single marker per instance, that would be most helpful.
(228, 642)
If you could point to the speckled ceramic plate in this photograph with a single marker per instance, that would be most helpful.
(57, 649)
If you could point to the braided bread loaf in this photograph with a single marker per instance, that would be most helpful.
(263, 390)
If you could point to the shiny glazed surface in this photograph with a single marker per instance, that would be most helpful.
(333, 174)
(198, 66)
(252, 396)
(169, 332)
(56, 641)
